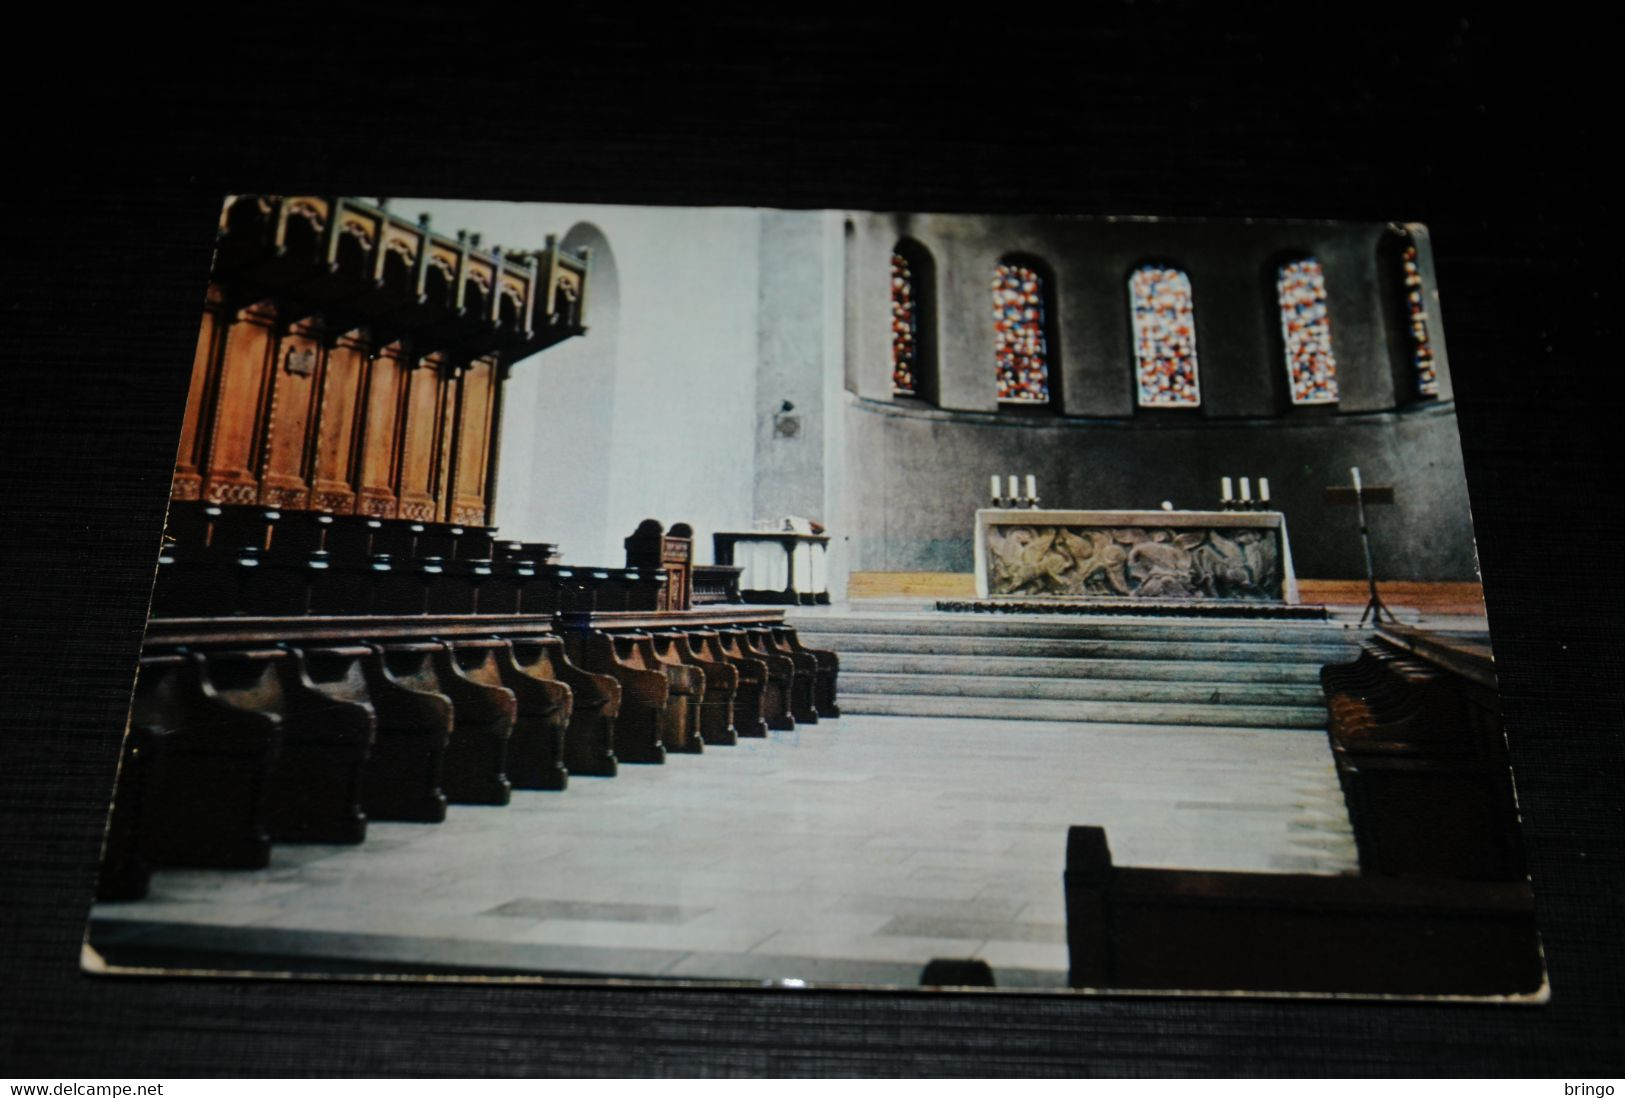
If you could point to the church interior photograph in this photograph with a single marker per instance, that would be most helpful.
(818, 598)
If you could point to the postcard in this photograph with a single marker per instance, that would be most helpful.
(818, 598)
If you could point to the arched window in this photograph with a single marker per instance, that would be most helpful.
(1164, 337)
(905, 328)
(1427, 380)
(1020, 342)
(1306, 332)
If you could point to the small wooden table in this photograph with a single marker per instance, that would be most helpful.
(779, 568)
(1161, 555)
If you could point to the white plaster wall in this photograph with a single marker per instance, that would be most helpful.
(666, 429)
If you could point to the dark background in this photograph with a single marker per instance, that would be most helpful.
(122, 134)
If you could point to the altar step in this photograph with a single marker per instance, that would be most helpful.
(1307, 651)
(1163, 671)
(927, 623)
(1018, 684)
(1108, 670)
(1029, 709)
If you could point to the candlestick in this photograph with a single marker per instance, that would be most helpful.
(1032, 486)
(1224, 489)
(1263, 489)
(1246, 491)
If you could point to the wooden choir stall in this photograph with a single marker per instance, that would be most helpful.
(337, 632)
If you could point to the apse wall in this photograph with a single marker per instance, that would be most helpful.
(653, 412)
(916, 469)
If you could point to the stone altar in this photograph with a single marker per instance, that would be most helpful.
(1160, 555)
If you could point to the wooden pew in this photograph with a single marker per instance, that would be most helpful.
(716, 710)
(415, 718)
(776, 674)
(476, 770)
(205, 780)
(589, 738)
(781, 670)
(752, 681)
(542, 716)
(1170, 929)
(1433, 817)
(689, 681)
(685, 686)
(457, 587)
(804, 687)
(1422, 760)
(828, 670)
(644, 694)
(328, 725)
(350, 587)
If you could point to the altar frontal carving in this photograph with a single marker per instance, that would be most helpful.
(1185, 557)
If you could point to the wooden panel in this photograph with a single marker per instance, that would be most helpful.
(421, 441)
(335, 472)
(1438, 597)
(380, 441)
(477, 403)
(191, 453)
(234, 439)
(288, 421)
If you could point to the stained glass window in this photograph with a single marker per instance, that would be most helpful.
(904, 329)
(1020, 350)
(1164, 337)
(1306, 330)
(1427, 380)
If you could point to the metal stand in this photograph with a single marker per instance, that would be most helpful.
(1374, 608)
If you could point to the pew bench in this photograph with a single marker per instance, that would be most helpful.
(1191, 930)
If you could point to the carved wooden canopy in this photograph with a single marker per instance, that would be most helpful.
(358, 264)
(350, 361)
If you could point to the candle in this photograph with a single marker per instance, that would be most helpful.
(994, 492)
(1224, 489)
(1263, 489)
(1032, 486)
(1355, 472)
(1012, 486)
(1246, 491)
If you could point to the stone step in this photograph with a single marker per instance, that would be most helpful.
(1078, 628)
(1230, 671)
(1316, 653)
(1284, 717)
(1303, 695)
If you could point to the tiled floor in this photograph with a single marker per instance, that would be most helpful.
(853, 851)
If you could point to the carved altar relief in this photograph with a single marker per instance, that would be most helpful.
(1189, 555)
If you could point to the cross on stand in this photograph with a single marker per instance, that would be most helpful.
(1358, 496)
